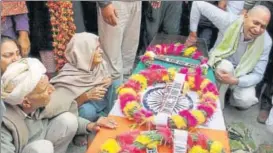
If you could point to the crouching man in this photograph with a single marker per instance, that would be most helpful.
(26, 91)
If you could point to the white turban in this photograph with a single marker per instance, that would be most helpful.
(20, 79)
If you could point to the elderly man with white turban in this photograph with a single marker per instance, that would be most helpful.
(26, 91)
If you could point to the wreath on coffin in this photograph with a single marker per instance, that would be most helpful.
(148, 141)
(129, 96)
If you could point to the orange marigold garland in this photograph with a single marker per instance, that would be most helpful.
(63, 28)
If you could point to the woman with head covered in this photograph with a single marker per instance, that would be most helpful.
(85, 79)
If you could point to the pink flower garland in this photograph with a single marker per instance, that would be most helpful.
(175, 50)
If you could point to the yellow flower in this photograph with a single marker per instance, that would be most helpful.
(172, 72)
(191, 82)
(199, 116)
(150, 54)
(143, 139)
(111, 146)
(210, 95)
(198, 149)
(179, 121)
(153, 144)
(127, 90)
(130, 107)
(191, 85)
(158, 46)
(199, 92)
(177, 44)
(204, 83)
(191, 79)
(141, 79)
(186, 88)
(166, 78)
(216, 147)
(189, 51)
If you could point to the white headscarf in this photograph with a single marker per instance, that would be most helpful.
(20, 79)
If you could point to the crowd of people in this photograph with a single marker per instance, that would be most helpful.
(52, 111)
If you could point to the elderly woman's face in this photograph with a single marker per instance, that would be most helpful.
(40, 96)
(97, 55)
(9, 54)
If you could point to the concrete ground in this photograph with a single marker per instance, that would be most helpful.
(249, 118)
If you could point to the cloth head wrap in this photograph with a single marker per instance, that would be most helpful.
(20, 79)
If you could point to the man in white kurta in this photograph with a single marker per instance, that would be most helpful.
(252, 30)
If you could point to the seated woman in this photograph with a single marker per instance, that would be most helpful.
(85, 78)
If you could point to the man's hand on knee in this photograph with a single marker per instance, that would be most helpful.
(226, 77)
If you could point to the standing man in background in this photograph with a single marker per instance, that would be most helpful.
(119, 30)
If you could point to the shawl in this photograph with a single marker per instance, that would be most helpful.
(75, 77)
(229, 45)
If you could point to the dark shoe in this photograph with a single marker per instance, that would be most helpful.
(263, 115)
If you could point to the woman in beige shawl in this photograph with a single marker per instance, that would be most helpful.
(85, 77)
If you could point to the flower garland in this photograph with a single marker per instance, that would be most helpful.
(138, 142)
(186, 119)
(63, 28)
(176, 49)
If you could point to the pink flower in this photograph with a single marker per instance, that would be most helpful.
(210, 103)
(197, 83)
(170, 49)
(128, 137)
(166, 133)
(146, 113)
(184, 70)
(196, 55)
(149, 76)
(133, 84)
(198, 70)
(150, 48)
(125, 98)
(156, 66)
(164, 48)
(212, 88)
(179, 50)
(144, 59)
(138, 116)
(204, 61)
(191, 120)
(209, 110)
